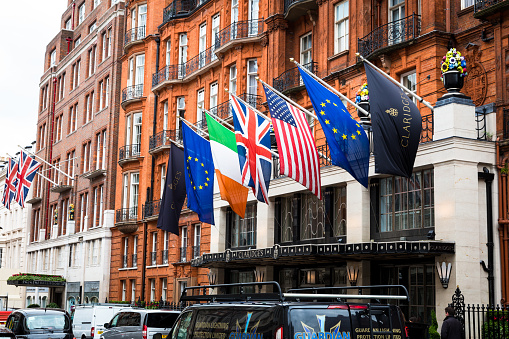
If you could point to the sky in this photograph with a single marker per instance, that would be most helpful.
(27, 27)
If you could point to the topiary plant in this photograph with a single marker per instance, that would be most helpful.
(52, 305)
(433, 329)
(33, 306)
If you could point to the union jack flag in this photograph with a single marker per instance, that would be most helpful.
(11, 183)
(253, 146)
(27, 168)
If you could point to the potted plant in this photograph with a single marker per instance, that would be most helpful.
(362, 98)
(454, 71)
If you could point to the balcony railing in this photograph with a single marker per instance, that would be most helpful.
(239, 30)
(151, 208)
(480, 5)
(200, 61)
(196, 251)
(392, 33)
(127, 214)
(134, 262)
(129, 151)
(153, 258)
(181, 8)
(165, 257)
(183, 254)
(427, 128)
(134, 34)
(168, 72)
(291, 78)
(291, 3)
(132, 92)
(124, 261)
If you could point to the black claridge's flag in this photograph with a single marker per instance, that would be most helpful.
(396, 125)
(174, 192)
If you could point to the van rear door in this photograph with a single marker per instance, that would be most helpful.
(382, 319)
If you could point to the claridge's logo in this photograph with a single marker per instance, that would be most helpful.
(392, 112)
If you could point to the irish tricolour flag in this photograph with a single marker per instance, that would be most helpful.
(226, 163)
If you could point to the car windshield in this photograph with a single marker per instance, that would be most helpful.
(47, 322)
(161, 320)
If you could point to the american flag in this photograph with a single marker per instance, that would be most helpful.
(27, 168)
(297, 149)
(253, 146)
(10, 183)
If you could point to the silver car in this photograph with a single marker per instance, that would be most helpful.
(140, 324)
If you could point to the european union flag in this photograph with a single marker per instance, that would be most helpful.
(199, 175)
(348, 143)
(397, 125)
(174, 192)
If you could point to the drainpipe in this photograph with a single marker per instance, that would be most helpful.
(488, 179)
(72, 15)
(50, 155)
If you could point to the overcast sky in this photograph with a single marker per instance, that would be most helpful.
(27, 27)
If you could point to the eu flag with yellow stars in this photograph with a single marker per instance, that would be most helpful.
(348, 143)
(199, 175)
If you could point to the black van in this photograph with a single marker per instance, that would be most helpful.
(317, 313)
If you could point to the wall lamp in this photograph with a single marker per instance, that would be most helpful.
(353, 274)
(212, 278)
(444, 273)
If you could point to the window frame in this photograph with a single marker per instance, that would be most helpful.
(337, 25)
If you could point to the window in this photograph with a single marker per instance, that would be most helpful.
(101, 205)
(215, 31)
(407, 204)
(181, 111)
(106, 92)
(133, 133)
(126, 251)
(95, 208)
(197, 240)
(104, 46)
(92, 28)
(103, 161)
(124, 288)
(133, 290)
(96, 3)
(252, 73)
(165, 116)
(409, 80)
(182, 55)
(53, 58)
(86, 155)
(396, 24)
(253, 17)
(68, 24)
(233, 79)
(76, 69)
(81, 13)
(101, 95)
(98, 150)
(164, 288)
(77, 42)
(163, 178)
(213, 95)
(87, 116)
(109, 41)
(200, 104)
(154, 249)
(83, 211)
(168, 51)
(62, 87)
(341, 27)
(91, 61)
(134, 191)
(183, 244)
(242, 230)
(73, 118)
(135, 251)
(202, 44)
(305, 49)
(152, 289)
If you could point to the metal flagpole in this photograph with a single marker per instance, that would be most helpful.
(254, 109)
(330, 88)
(193, 125)
(47, 163)
(48, 179)
(396, 83)
(218, 118)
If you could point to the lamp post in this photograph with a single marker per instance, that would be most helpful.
(353, 275)
(444, 273)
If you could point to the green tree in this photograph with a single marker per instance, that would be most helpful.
(433, 329)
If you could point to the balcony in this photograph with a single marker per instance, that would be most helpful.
(162, 140)
(181, 9)
(485, 8)
(390, 36)
(294, 9)
(183, 254)
(134, 260)
(153, 258)
(128, 153)
(196, 251)
(183, 72)
(125, 219)
(164, 257)
(94, 174)
(61, 188)
(131, 94)
(238, 32)
(134, 36)
(291, 80)
(151, 209)
(34, 200)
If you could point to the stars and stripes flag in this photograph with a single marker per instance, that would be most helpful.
(10, 183)
(252, 133)
(27, 168)
(298, 155)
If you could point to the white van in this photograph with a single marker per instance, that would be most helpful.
(88, 320)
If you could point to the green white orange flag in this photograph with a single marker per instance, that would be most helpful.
(226, 162)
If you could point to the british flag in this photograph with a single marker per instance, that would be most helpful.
(253, 146)
(11, 182)
(27, 168)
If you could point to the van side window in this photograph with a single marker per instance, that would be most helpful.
(181, 328)
(114, 321)
(259, 324)
(212, 324)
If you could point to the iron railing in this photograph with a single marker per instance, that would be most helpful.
(124, 261)
(129, 151)
(134, 34)
(153, 258)
(164, 257)
(181, 8)
(132, 92)
(239, 30)
(392, 33)
(163, 138)
(134, 260)
(126, 214)
(291, 78)
(480, 5)
(183, 254)
(168, 72)
(252, 99)
(151, 208)
(199, 61)
(427, 128)
(196, 251)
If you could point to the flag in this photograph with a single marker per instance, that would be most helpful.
(27, 168)
(298, 156)
(174, 192)
(396, 125)
(11, 183)
(252, 133)
(348, 143)
(199, 175)
(226, 164)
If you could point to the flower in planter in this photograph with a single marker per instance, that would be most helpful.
(454, 61)
(362, 94)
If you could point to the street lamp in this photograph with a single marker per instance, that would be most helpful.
(444, 273)
(353, 274)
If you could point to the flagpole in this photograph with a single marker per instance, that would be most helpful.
(341, 95)
(191, 124)
(47, 163)
(396, 83)
(217, 118)
(254, 109)
(54, 183)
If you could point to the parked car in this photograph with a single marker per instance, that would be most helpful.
(88, 320)
(140, 324)
(5, 333)
(39, 323)
(314, 313)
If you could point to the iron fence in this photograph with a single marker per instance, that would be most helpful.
(252, 99)
(168, 72)
(151, 208)
(223, 110)
(291, 78)
(132, 92)
(201, 60)
(134, 34)
(480, 5)
(164, 138)
(392, 33)
(239, 30)
(126, 214)
(128, 151)
(427, 128)
(181, 8)
(164, 257)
